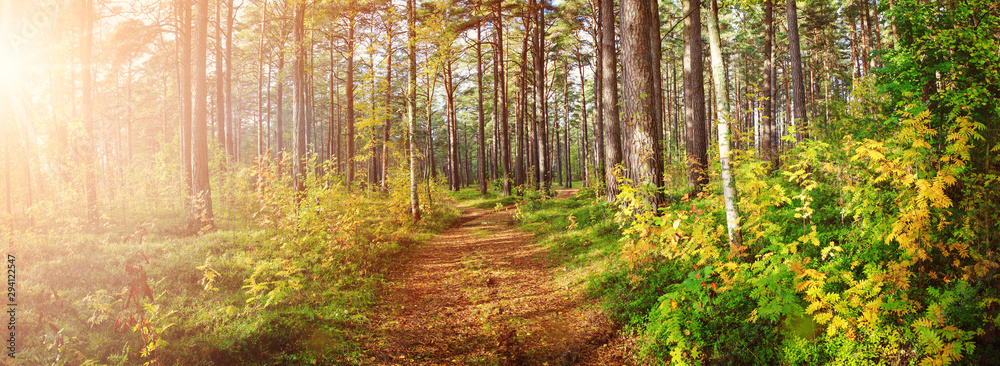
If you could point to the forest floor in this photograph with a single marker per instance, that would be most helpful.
(484, 292)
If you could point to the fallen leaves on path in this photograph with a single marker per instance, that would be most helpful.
(482, 292)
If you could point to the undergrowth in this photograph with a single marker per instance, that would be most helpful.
(288, 283)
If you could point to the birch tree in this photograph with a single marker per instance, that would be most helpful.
(725, 118)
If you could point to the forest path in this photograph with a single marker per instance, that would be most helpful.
(482, 293)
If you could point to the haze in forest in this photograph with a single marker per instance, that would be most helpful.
(500, 181)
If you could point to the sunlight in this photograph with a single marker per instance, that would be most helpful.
(12, 69)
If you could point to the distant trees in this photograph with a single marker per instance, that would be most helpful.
(89, 164)
(521, 105)
(769, 147)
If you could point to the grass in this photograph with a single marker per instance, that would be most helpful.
(82, 289)
(470, 196)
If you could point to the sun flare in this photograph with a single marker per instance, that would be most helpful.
(12, 68)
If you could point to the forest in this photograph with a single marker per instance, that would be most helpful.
(501, 182)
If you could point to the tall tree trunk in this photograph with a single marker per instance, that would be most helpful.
(675, 113)
(373, 146)
(600, 147)
(500, 78)
(220, 106)
(789, 121)
(384, 173)
(350, 100)
(454, 168)
(340, 127)
(544, 166)
(279, 130)
(233, 130)
(643, 156)
(585, 139)
(467, 163)
(532, 135)
(411, 105)
(669, 134)
(128, 111)
(202, 217)
(299, 132)
(309, 95)
(557, 144)
(694, 97)
(569, 164)
(768, 146)
(798, 85)
(481, 152)
(430, 132)
(609, 76)
(333, 146)
(520, 170)
(184, 87)
(655, 59)
(719, 79)
(261, 134)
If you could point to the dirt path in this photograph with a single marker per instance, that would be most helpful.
(483, 293)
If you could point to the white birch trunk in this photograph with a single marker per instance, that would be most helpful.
(722, 105)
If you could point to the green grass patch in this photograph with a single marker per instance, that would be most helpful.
(296, 285)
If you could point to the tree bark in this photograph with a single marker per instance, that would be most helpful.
(585, 146)
(430, 131)
(798, 86)
(299, 132)
(500, 78)
(656, 56)
(184, 86)
(220, 107)
(557, 144)
(768, 146)
(643, 156)
(384, 173)
(544, 166)
(694, 97)
(520, 170)
(202, 215)
(233, 131)
(481, 152)
(279, 130)
(722, 101)
(569, 165)
(350, 100)
(261, 134)
(454, 168)
(600, 149)
(411, 106)
(333, 147)
(609, 96)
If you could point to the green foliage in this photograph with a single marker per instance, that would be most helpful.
(290, 277)
(871, 248)
(856, 253)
